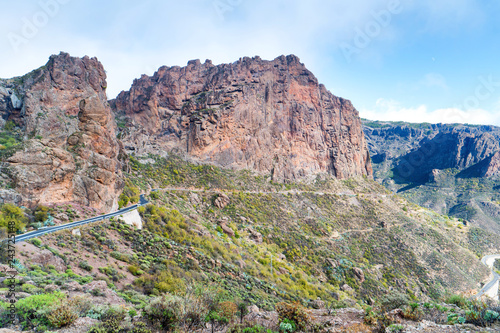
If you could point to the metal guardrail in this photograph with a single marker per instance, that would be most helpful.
(48, 230)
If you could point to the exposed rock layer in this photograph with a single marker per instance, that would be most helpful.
(70, 148)
(269, 116)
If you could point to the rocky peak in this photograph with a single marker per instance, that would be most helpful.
(269, 116)
(70, 148)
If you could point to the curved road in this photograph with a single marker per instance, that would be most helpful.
(48, 230)
(491, 288)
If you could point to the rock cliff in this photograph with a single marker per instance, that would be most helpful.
(269, 116)
(415, 150)
(453, 169)
(69, 149)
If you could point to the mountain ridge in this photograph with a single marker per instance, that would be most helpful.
(269, 116)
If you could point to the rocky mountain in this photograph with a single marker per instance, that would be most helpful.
(417, 149)
(68, 151)
(231, 225)
(269, 116)
(451, 168)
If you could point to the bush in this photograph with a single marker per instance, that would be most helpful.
(161, 313)
(227, 309)
(33, 311)
(134, 270)
(85, 265)
(41, 213)
(394, 301)
(37, 242)
(120, 256)
(413, 312)
(295, 313)
(454, 318)
(30, 289)
(287, 326)
(395, 328)
(62, 315)
(130, 194)
(11, 213)
(248, 328)
(114, 313)
(458, 300)
(480, 315)
(242, 310)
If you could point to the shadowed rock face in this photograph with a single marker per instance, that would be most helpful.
(269, 116)
(70, 148)
(414, 153)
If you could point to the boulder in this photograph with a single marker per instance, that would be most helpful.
(255, 236)
(358, 273)
(221, 201)
(317, 304)
(45, 258)
(228, 231)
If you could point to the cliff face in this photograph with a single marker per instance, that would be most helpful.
(414, 151)
(69, 149)
(453, 169)
(269, 116)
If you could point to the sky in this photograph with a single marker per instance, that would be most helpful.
(412, 60)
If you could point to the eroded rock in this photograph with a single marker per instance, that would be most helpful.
(269, 116)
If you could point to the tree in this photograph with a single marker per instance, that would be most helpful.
(242, 310)
(11, 215)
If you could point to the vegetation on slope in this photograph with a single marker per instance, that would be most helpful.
(349, 243)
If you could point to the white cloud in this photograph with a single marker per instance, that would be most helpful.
(390, 110)
(132, 38)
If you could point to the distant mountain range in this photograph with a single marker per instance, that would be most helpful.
(452, 168)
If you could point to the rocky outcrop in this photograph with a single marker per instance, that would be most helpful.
(45, 258)
(416, 152)
(270, 116)
(221, 201)
(70, 149)
(457, 148)
(489, 167)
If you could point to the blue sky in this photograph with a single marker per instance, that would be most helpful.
(426, 60)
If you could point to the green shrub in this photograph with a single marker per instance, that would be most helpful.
(244, 328)
(85, 265)
(41, 213)
(288, 326)
(37, 242)
(395, 328)
(161, 314)
(34, 310)
(120, 256)
(30, 289)
(413, 312)
(454, 318)
(242, 310)
(10, 213)
(134, 269)
(458, 300)
(393, 301)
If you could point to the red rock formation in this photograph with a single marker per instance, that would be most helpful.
(269, 116)
(70, 148)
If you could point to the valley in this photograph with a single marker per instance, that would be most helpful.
(260, 196)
